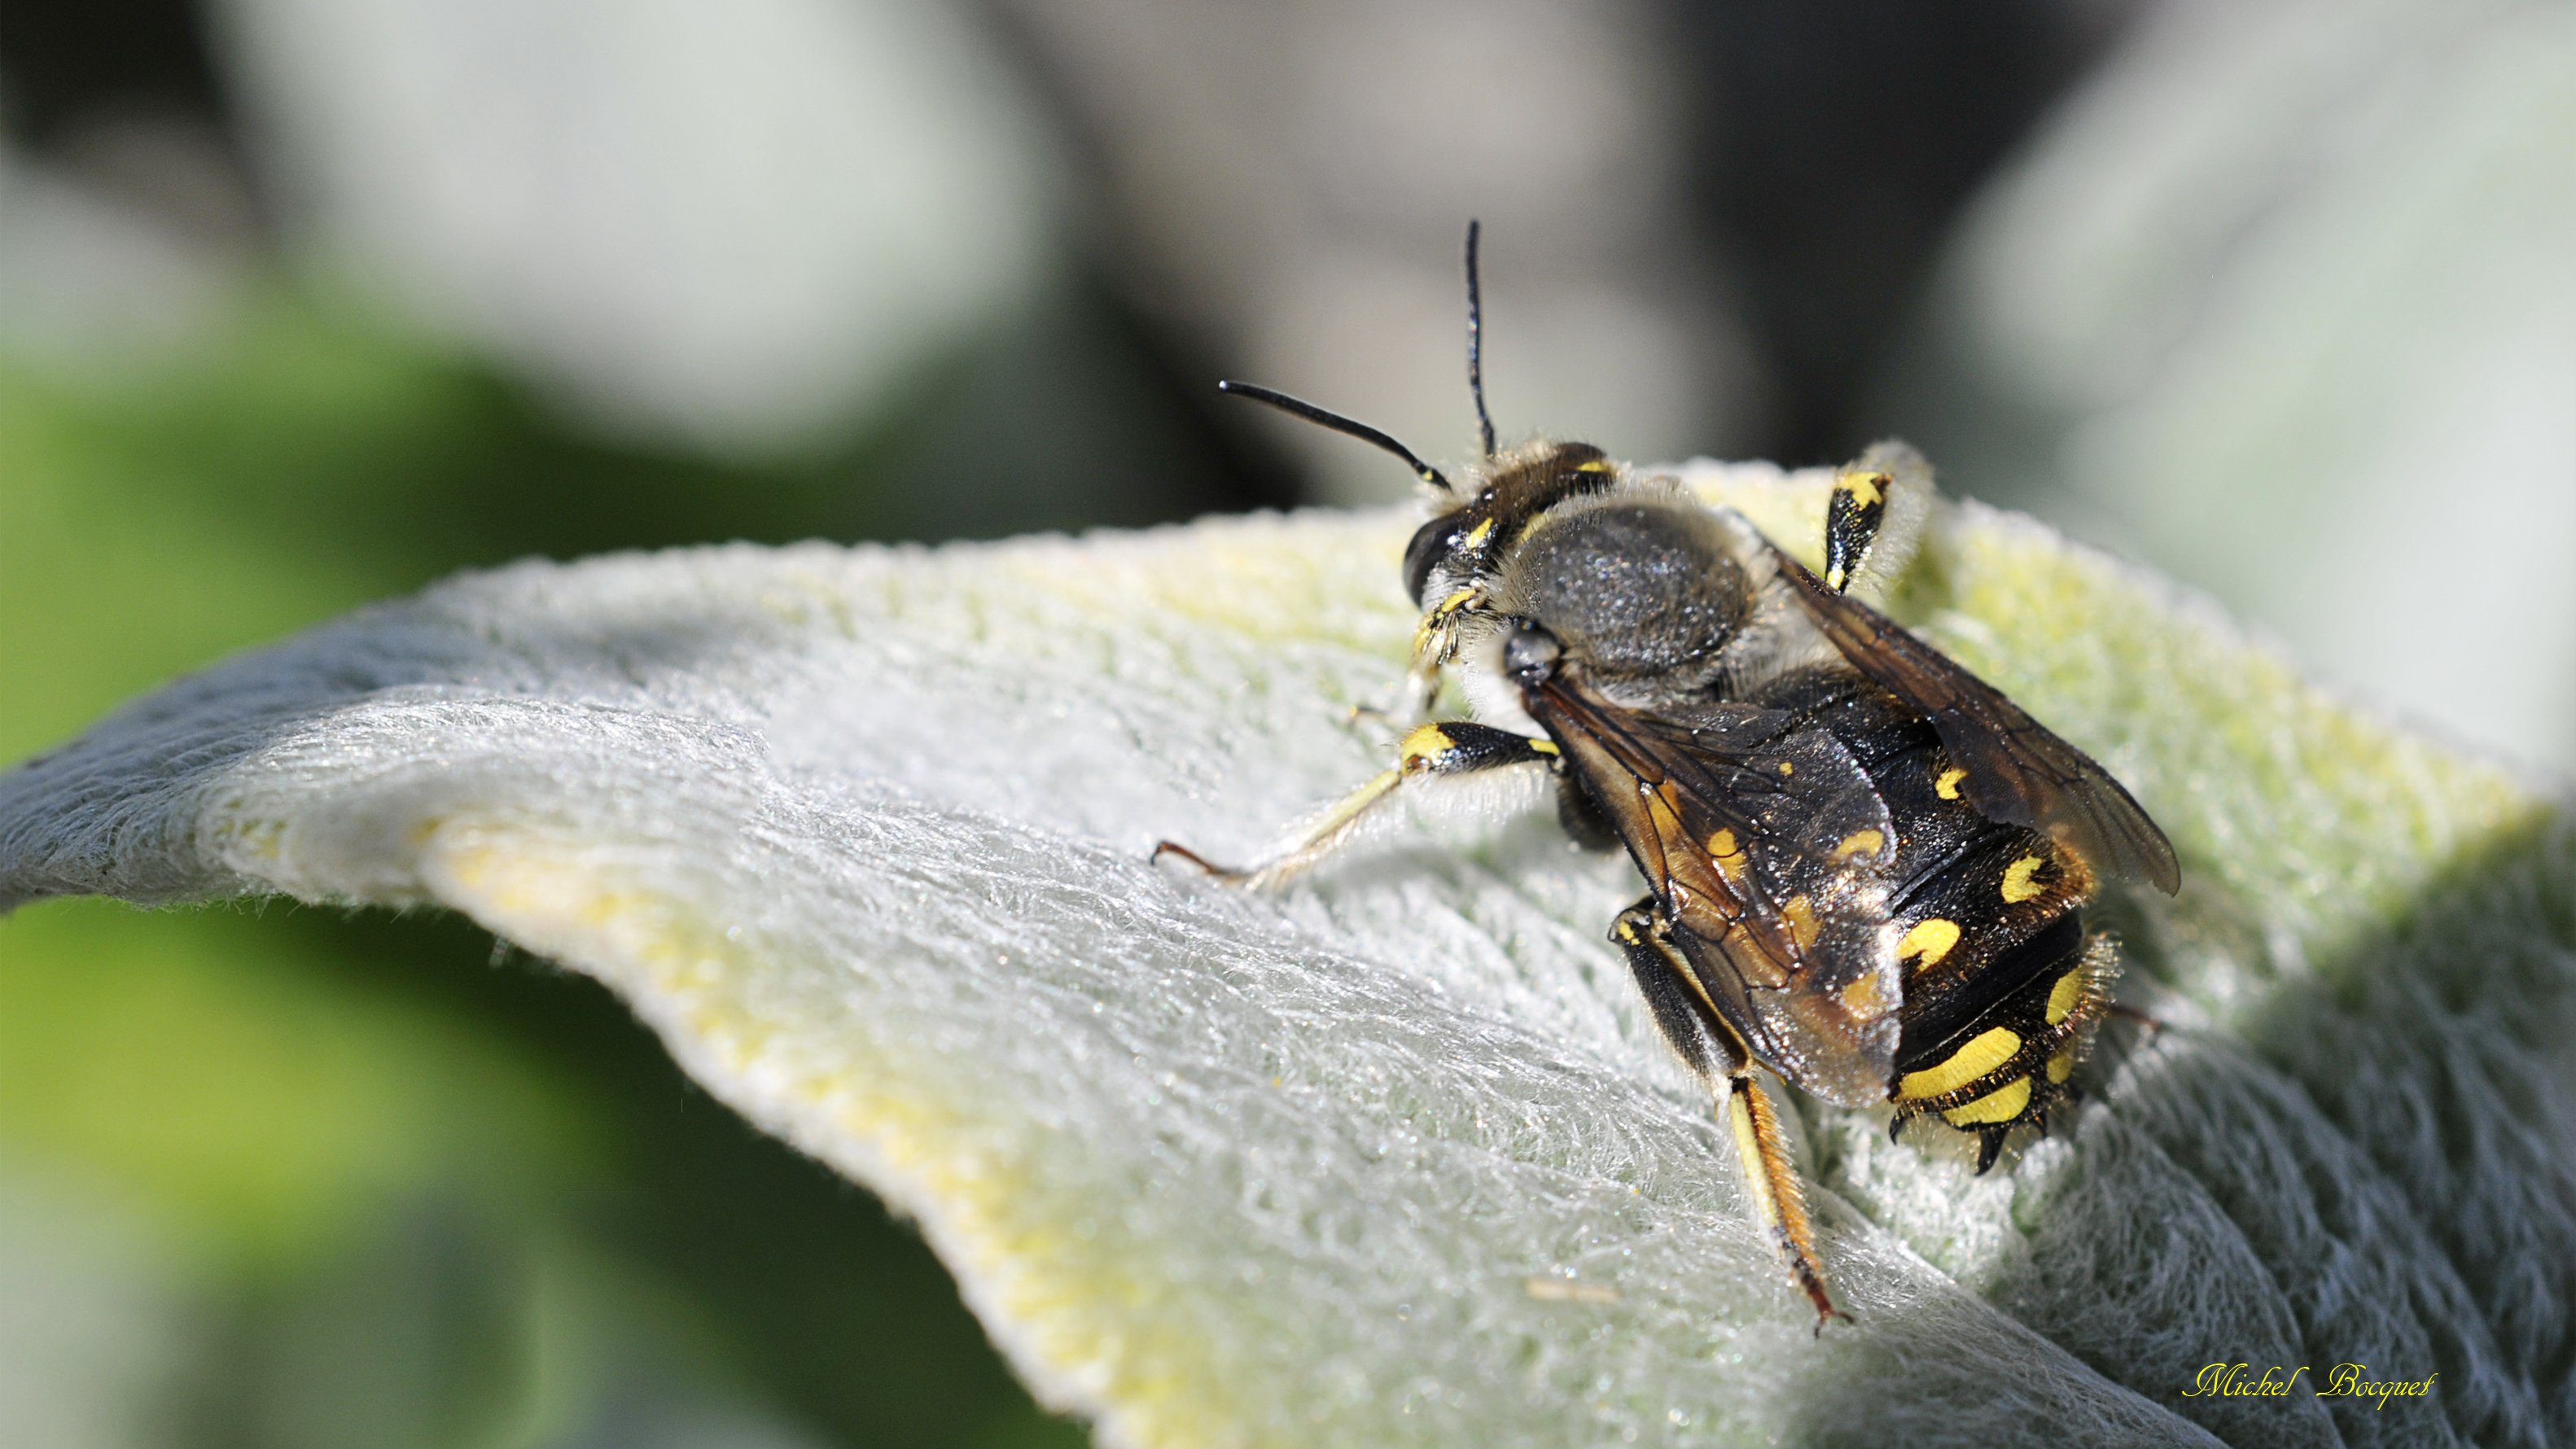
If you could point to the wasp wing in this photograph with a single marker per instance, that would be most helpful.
(2019, 771)
(1770, 854)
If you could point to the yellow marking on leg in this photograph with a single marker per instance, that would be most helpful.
(1800, 913)
(1860, 842)
(2018, 885)
(1748, 1149)
(1947, 787)
(2000, 1105)
(1834, 578)
(1771, 1185)
(1437, 621)
(1543, 747)
(1867, 490)
(1931, 939)
(2062, 1065)
(1987, 1052)
(2063, 996)
(1421, 745)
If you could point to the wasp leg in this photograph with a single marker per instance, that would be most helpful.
(1435, 643)
(1678, 1014)
(1779, 1205)
(1873, 519)
(1990, 1145)
(1452, 748)
(1709, 1048)
(2150, 1025)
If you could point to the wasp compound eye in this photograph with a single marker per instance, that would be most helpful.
(1530, 654)
(1431, 543)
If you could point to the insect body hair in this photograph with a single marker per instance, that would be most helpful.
(1663, 597)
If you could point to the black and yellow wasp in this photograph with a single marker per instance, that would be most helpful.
(1865, 868)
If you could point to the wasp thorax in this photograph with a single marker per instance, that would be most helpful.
(1644, 592)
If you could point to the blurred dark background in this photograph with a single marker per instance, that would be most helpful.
(304, 303)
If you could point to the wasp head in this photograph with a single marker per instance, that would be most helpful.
(1468, 540)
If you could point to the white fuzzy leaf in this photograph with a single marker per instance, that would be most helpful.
(1394, 1157)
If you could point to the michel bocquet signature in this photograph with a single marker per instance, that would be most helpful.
(2343, 1381)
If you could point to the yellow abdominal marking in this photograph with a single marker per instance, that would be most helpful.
(1659, 810)
(2063, 996)
(1947, 787)
(1965, 1065)
(1477, 535)
(1863, 998)
(1801, 916)
(1597, 465)
(1931, 938)
(1729, 856)
(1424, 743)
(1860, 842)
(2018, 886)
(2000, 1105)
(1866, 489)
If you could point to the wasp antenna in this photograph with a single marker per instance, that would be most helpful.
(1299, 407)
(1476, 343)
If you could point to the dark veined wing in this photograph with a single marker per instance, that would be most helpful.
(1771, 854)
(2019, 771)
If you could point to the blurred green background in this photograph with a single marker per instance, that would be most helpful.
(291, 1177)
(306, 303)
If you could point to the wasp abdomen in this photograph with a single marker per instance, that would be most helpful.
(2002, 986)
